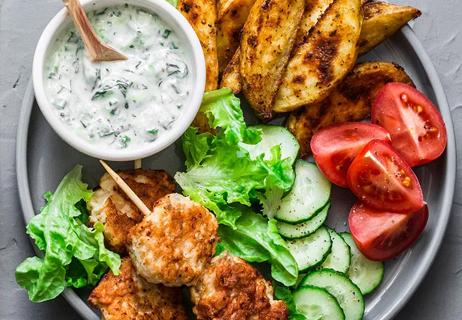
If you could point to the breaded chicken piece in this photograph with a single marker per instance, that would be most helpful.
(174, 244)
(231, 289)
(129, 297)
(110, 206)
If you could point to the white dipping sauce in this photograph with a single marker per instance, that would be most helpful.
(120, 104)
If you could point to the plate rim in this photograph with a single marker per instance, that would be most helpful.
(86, 312)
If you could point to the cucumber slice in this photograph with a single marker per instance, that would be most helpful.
(345, 292)
(312, 250)
(272, 136)
(309, 195)
(339, 258)
(364, 273)
(296, 231)
(317, 303)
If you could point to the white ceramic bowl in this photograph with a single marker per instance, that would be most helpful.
(194, 52)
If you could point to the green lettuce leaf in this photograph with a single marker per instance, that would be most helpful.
(74, 254)
(276, 184)
(255, 239)
(220, 173)
(222, 176)
(223, 110)
(195, 146)
(43, 279)
(228, 176)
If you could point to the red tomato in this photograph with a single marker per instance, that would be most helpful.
(417, 130)
(384, 181)
(335, 147)
(382, 235)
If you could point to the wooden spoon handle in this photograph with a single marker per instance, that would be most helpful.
(96, 50)
(125, 188)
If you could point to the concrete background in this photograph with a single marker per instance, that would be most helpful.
(21, 22)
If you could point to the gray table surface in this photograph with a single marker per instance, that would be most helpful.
(21, 22)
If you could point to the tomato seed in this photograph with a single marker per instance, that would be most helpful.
(406, 182)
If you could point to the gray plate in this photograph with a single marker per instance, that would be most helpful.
(43, 159)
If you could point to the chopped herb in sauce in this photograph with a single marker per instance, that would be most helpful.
(124, 141)
(166, 33)
(125, 103)
(153, 132)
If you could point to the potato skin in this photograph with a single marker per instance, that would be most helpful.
(381, 21)
(232, 15)
(323, 58)
(314, 10)
(231, 75)
(267, 40)
(202, 15)
(350, 101)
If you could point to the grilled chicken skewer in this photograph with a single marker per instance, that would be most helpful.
(128, 191)
(181, 234)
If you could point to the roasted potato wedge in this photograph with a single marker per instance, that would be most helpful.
(222, 7)
(313, 11)
(232, 15)
(381, 21)
(202, 15)
(267, 40)
(350, 101)
(231, 75)
(325, 57)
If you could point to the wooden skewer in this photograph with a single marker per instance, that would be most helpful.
(125, 188)
(97, 50)
(138, 164)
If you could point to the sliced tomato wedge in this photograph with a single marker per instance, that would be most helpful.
(382, 180)
(382, 235)
(335, 147)
(417, 130)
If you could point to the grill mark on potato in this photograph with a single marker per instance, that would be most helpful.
(266, 5)
(252, 41)
(304, 35)
(299, 78)
(194, 17)
(373, 11)
(362, 43)
(309, 6)
(267, 41)
(236, 36)
(357, 92)
(325, 52)
(186, 7)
